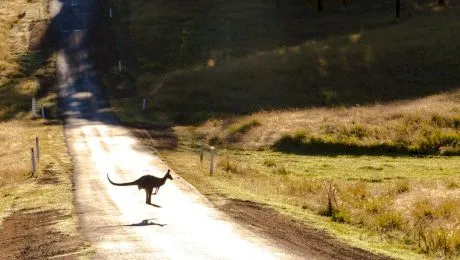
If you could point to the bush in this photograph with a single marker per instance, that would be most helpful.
(423, 210)
(245, 127)
(432, 141)
(281, 170)
(269, 162)
(389, 220)
(402, 186)
(227, 165)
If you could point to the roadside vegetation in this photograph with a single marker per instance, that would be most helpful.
(45, 199)
(347, 119)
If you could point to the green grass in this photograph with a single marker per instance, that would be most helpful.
(373, 193)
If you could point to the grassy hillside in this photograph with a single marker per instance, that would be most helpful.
(348, 119)
(214, 60)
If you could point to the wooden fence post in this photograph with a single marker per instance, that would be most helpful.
(211, 167)
(201, 150)
(43, 111)
(34, 169)
(37, 148)
(144, 104)
(34, 107)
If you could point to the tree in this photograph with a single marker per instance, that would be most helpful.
(442, 2)
(320, 5)
(398, 8)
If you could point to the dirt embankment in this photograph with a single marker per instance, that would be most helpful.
(295, 236)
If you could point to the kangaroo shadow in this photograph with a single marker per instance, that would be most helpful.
(143, 223)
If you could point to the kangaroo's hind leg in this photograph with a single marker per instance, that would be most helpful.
(147, 196)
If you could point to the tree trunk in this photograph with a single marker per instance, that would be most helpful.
(398, 8)
(442, 2)
(320, 5)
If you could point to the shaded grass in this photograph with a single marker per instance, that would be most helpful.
(270, 63)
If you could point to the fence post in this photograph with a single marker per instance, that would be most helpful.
(37, 148)
(34, 169)
(201, 150)
(34, 107)
(144, 104)
(110, 12)
(119, 66)
(211, 167)
(43, 111)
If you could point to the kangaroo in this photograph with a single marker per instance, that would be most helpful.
(148, 183)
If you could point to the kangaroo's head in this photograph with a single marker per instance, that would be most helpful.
(168, 176)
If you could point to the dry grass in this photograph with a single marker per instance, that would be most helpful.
(378, 195)
(408, 125)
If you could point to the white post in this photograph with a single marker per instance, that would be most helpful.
(34, 170)
(119, 66)
(201, 150)
(34, 107)
(37, 148)
(211, 167)
(144, 104)
(110, 12)
(43, 111)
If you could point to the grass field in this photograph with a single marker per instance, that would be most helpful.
(347, 119)
(50, 189)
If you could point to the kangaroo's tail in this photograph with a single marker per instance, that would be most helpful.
(121, 184)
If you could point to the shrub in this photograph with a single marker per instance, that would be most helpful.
(447, 208)
(376, 205)
(269, 162)
(445, 122)
(241, 129)
(227, 165)
(359, 191)
(281, 170)
(389, 220)
(423, 210)
(341, 216)
(402, 186)
(357, 131)
(431, 141)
